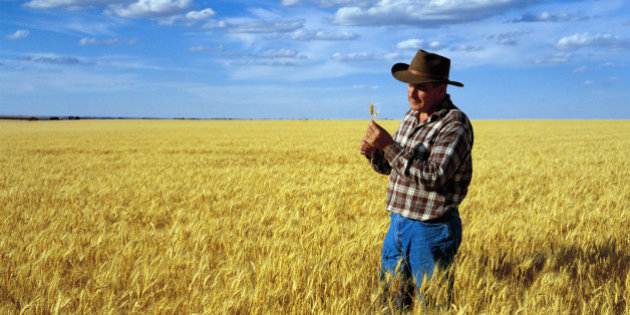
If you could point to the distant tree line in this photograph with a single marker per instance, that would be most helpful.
(33, 118)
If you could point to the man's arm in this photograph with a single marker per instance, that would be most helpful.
(376, 158)
(374, 154)
(379, 163)
(433, 169)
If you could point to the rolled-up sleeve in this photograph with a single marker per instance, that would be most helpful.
(379, 163)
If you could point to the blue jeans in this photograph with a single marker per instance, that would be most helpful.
(419, 247)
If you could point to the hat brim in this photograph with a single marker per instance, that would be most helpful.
(399, 71)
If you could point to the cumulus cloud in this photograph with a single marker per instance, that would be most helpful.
(410, 44)
(306, 35)
(196, 16)
(580, 40)
(189, 18)
(415, 44)
(150, 8)
(19, 34)
(111, 41)
(167, 12)
(432, 13)
(549, 17)
(266, 26)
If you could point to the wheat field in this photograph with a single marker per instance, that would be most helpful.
(285, 217)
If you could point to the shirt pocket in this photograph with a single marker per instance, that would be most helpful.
(421, 151)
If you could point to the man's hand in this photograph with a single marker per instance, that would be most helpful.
(376, 138)
(366, 149)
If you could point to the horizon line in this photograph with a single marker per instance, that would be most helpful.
(71, 117)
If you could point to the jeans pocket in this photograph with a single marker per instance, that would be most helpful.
(445, 240)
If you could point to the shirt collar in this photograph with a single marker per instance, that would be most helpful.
(443, 109)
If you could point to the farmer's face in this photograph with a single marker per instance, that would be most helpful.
(425, 97)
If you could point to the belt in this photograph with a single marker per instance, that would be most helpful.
(444, 218)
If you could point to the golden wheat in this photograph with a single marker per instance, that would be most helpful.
(286, 217)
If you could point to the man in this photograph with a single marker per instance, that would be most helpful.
(430, 166)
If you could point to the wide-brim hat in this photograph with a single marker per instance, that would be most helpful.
(424, 68)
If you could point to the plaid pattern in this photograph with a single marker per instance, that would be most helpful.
(429, 163)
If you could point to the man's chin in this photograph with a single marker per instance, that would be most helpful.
(415, 106)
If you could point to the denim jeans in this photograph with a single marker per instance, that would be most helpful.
(412, 249)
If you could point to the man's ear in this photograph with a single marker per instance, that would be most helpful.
(443, 88)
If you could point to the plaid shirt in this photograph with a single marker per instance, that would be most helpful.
(429, 163)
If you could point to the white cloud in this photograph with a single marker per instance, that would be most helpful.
(555, 59)
(365, 86)
(19, 34)
(601, 66)
(607, 80)
(306, 35)
(290, 2)
(362, 56)
(206, 48)
(167, 11)
(509, 38)
(265, 63)
(415, 44)
(189, 18)
(337, 3)
(91, 27)
(51, 4)
(549, 17)
(112, 41)
(411, 44)
(358, 56)
(611, 64)
(580, 40)
(329, 3)
(432, 13)
(56, 59)
(266, 26)
(150, 8)
(215, 24)
(580, 69)
(612, 79)
(196, 16)
(467, 48)
(277, 53)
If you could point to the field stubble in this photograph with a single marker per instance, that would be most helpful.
(286, 217)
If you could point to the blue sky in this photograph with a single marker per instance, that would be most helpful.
(311, 59)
